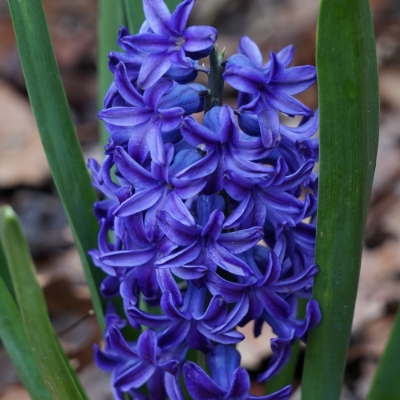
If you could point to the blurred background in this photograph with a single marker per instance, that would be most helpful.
(26, 184)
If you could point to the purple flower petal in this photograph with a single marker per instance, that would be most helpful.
(240, 241)
(240, 385)
(227, 261)
(175, 334)
(125, 87)
(153, 68)
(285, 56)
(287, 104)
(281, 349)
(179, 232)
(295, 80)
(126, 116)
(181, 14)
(140, 201)
(135, 376)
(180, 258)
(105, 361)
(171, 118)
(274, 304)
(169, 308)
(167, 283)
(157, 16)
(199, 385)
(198, 38)
(147, 346)
(190, 272)
(235, 316)
(150, 320)
(172, 385)
(201, 168)
(197, 134)
(128, 258)
(156, 144)
(153, 95)
(214, 225)
(150, 42)
(215, 313)
(269, 126)
(251, 50)
(297, 282)
(246, 79)
(230, 291)
(233, 219)
(228, 128)
(134, 173)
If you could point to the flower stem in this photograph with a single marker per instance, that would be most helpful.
(215, 81)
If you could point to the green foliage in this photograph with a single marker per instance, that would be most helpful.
(110, 18)
(16, 343)
(35, 334)
(58, 135)
(386, 384)
(349, 126)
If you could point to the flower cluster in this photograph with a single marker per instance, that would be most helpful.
(202, 224)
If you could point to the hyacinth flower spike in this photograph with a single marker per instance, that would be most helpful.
(202, 225)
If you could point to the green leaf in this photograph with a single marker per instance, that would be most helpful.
(5, 273)
(16, 343)
(52, 362)
(58, 135)
(134, 14)
(386, 384)
(349, 125)
(110, 18)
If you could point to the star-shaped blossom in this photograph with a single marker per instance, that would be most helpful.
(206, 244)
(134, 365)
(192, 322)
(271, 87)
(146, 116)
(168, 42)
(230, 153)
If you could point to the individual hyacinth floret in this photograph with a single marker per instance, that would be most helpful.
(204, 226)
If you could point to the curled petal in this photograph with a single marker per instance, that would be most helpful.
(135, 376)
(240, 241)
(147, 345)
(198, 38)
(140, 201)
(199, 385)
(220, 256)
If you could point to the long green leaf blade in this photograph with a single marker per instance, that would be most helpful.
(110, 18)
(386, 384)
(57, 374)
(5, 273)
(134, 14)
(349, 125)
(16, 343)
(57, 132)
